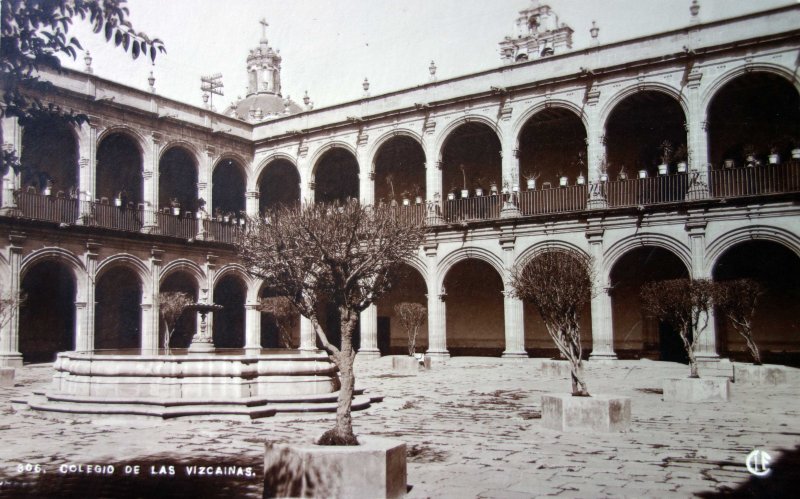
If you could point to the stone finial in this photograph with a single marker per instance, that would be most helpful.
(365, 86)
(152, 81)
(594, 31)
(87, 59)
(205, 99)
(694, 10)
(432, 71)
(307, 102)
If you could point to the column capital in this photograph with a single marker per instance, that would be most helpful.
(252, 194)
(595, 236)
(696, 227)
(92, 248)
(430, 248)
(17, 239)
(507, 242)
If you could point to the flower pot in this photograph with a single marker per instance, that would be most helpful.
(46, 191)
(774, 159)
(176, 211)
(117, 202)
(226, 219)
(562, 181)
(642, 173)
(199, 215)
(604, 177)
(418, 199)
(750, 158)
(406, 201)
(531, 184)
(478, 191)
(451, 196)
(796, 153)
(515, 188)
(623, 176)
(493, 190)
(663, 169)
(581, 180)
(464, 193)
(682, 166)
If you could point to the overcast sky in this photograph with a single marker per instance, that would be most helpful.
(329, 47)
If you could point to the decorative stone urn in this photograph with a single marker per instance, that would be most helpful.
(375, 469)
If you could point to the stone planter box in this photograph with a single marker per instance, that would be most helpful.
(376, 468)
(408, 364)
(602, 413)
(751, 374)
(7, 376)
(555, 368)
(694, 390)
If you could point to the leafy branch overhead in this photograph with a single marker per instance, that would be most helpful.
(36, 32)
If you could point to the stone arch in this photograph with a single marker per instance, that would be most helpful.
(185, 265)
(119, 167)
(228, 185)
(59, 254)
(386, 137)
(50, 154)
(412, 287)
(253, 180)
(191, 148)
(323, 149)
(122, 285)
(130, 132)
(238, 158)
(447, 131)
(336, 174)
(402, 158)
(130, 262)
(528, 113)
(232, 269)
(720, 81)
(608, 108)
(281, 169)
(418, 264)
(461, 254)
(716, 248)
(617, 250)
(538, 248)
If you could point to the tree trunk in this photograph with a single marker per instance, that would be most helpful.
(342, 433)
(693, 372)
(753, 350)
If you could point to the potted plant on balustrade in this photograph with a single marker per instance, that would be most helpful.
(309, 255)
(464, 189)
(451, 196)
(795, 145)
(411, 316)
(580, 165)
(493, 187)
(477, 185)
(175, 205)
(749, 152)
(530, 178)
(563, 181)
(684, 305)
(417, 190)
(559, 284)
(774, 154)
(622, 175)
(737, 301)
(406, 197)
(602, 168)
(390, 183)
(682, 158)
(666, 151)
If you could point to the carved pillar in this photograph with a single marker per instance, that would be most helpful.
(510, 164)
(87, 144)
(369, 334)
(437, 323)
(366, 180)
(12, 141)
(251, 203)
(204, 176)
(84, 311)
(705, 345)
(512, 306)
(150, 331)
(308, 339)
(602, 331)
(252, 327)
(9, 334)
(150, 183)
(595, 145)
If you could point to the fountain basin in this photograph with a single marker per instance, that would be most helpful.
(224, 383)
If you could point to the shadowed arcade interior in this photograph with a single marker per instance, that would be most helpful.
(336, 177)
(228, 328)
(47, 316)
(392, 336)
(477, 148)
(119, 169)
(49, 154)
(551, 144)
(474, 303)
(177, 178)
(279, 185)
(182, 282)
(228, 185)
(118, 309)
(401, 160)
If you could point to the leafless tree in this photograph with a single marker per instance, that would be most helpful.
(737, 300)
(172, 304)
(684, 304)
(412, 316)
(284, 315)
(559, 284)
(9, 303)
(344, 255)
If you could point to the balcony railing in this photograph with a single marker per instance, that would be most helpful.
(764, 180)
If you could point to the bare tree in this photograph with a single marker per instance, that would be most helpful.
(172, 304)
(684, 304)
(9, 303)
(344, 255)
(737, 299)
(412, 316)
(284, 315)
(559, 284)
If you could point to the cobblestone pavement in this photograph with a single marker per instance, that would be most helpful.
(472, 429)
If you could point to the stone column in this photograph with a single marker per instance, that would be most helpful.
(9, 334)
(150, 184)
(602, 329)
(151, 340)
(84, 310)
(512, 306)
(367, 187)
(12, 141)
(437, 323)
(87, 143)
(308, 339)
(433, 181)
(147, 324)
(369, 334)
(204, 176)
(252, 327)
(595, 145)
(251, 203)
(510, 166)
(705, 345)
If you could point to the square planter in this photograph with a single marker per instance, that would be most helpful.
(7, 376)
(696, 390)
(555, 368)
(759, 375)
(406, 363)
(376, 468)
(603, 413)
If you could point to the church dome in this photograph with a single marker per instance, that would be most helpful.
(264, 105)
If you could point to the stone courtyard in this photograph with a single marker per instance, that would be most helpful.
(471, 426)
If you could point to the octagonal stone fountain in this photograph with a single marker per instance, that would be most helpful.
(201, 382)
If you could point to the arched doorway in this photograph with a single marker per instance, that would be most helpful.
(49, 156)
(230, 292)
(119, 169)
(776, 328)
(552, 143)
(336, 177)
(474, 303)
(409, 287)
(758, 110)
(476, 148)
(227, 191)
(47, 316)
(636, 129)
(180, 281)
(279, 185)
(275, 335)
(177, 179)
(118, 310)
(399, 170)
(635, 334)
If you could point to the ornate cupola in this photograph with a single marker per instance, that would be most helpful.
(538, 33)
(263, 100)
